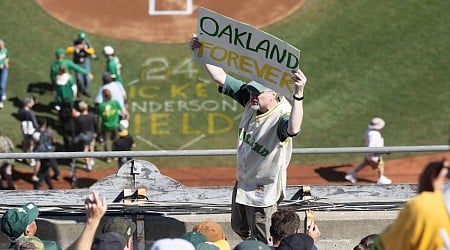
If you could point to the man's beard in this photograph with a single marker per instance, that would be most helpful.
(255, 107)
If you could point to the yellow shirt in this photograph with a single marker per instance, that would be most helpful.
(418, 224)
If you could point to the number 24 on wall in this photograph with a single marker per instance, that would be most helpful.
(159, 68)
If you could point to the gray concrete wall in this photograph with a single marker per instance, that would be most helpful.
(340, 230)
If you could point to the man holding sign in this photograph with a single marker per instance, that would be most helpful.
(264, 150)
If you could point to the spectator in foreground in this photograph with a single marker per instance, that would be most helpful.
(286, 222)
(20, 222)
(366, 242)
(214, 233)
(264, 151)
(423, 223)
(251, 245)
(95, 209)
(171, 244)
(433, 176)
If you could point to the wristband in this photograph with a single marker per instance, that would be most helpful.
(297, 98)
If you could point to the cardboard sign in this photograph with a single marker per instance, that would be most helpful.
(246, 51)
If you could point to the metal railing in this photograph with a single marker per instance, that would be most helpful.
(219, 152)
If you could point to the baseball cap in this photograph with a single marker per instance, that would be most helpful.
(298, 241)
(81, 35)
(29, 242)
(256, 87)
(59, 51)
(108, 50)
(107, 77)
(119, 225)
(222, 244)
(212, 230)
(109, 241)
(207, 246)
(194, 237)
(15, 220)
(376, 123)
(251, 245)
(171, 244)
(123, 132)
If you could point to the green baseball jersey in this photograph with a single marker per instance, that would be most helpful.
(113, 66)
(69, 65)
(4, 54)
(64, 88)
(109, 113)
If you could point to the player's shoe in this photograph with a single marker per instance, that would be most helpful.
(351, 177)
(384, 180)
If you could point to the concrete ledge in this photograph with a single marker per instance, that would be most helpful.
(340, 230)
(173, 209)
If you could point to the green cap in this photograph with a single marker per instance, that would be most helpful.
(59, 51)
(119, 225)
(251, 245)
(29, 242)
(256, 87)
(15, 220)
(207, 246)
(81, 35)
(194, 237)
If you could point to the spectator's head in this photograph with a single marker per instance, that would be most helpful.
(83, 106)
(212, 230)
(284, 222)
(42, 121)
(214, 233)
(59, 53)
(298, 241)
(194, 237)
(119, 225)
(110, 241)
(28, 102)
(434, 176)
(106, 78)
(108, 50)
(29, 243)
(251, 245)
(376, 123)
(2, 44)
(20, 221)
(366, 242)
(117, 233)
(171, 244)
(261, 98)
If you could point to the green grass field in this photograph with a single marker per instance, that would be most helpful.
(362, 59)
